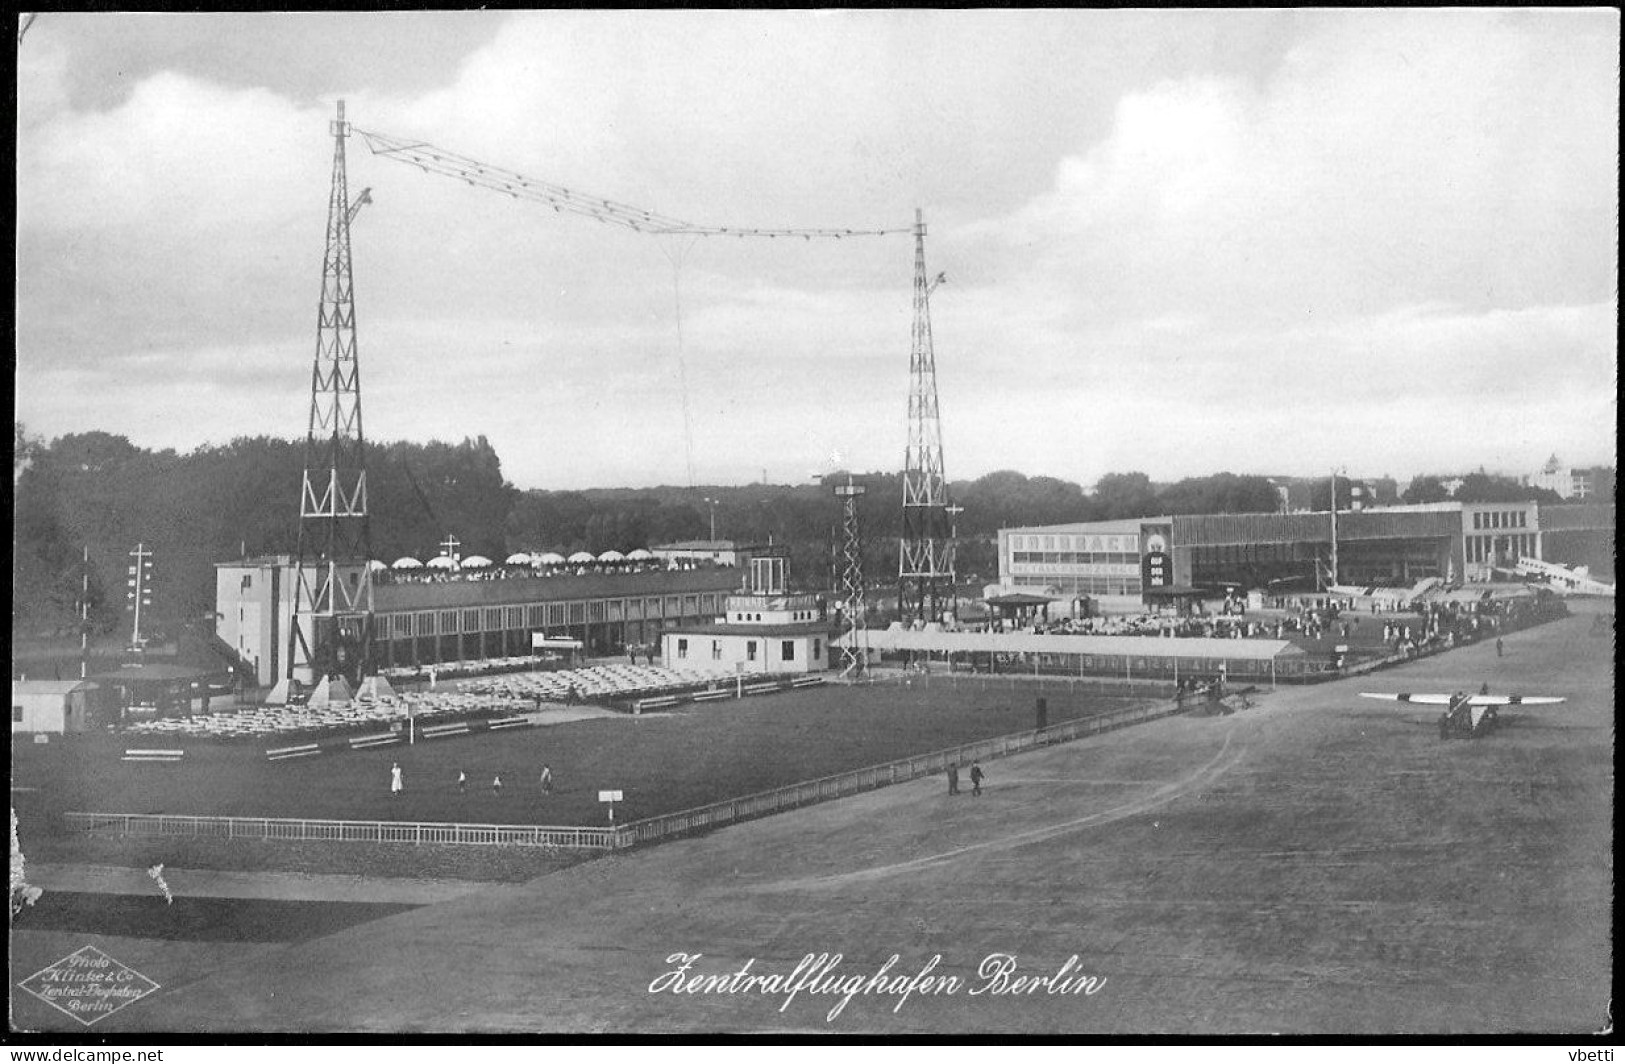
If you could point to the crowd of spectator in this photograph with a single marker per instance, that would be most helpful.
(427, 575)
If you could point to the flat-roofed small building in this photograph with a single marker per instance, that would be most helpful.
(713, 551)
(763, 629)
(53, 707)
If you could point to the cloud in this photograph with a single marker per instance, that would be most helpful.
(1392, 161)
(1297, 221)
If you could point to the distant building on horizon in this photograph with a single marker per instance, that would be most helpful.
(716, 551)
(1596, 482)
(1121, 565)
(1296, 495)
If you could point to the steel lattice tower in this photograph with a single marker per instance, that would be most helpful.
(854, 655)
(925, 564)
(331, 632)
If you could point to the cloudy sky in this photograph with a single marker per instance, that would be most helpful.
(1180, 243)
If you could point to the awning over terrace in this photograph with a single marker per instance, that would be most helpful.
(939, 642)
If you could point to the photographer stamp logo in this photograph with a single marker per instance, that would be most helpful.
(88, 985)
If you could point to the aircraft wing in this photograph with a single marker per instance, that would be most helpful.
(1475, 700)
(1432, 700)
(1514, 700)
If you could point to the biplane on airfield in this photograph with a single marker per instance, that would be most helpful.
(1467, 716)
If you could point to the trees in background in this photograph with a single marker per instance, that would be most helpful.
(1476, 487)
(1424, 489)
(1221, 493)
(217, 503)
(1120, 495)
(239, 498)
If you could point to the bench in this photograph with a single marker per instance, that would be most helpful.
(153, 755)
(285, 752)
(510, 722)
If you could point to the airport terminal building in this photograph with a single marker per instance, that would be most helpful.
(1118, 562)
(469, 619)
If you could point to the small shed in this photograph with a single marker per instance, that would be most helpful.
(1183, 598)
(52, 706)
(1019, 608)
(158, 687)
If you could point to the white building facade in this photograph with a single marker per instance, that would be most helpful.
(763, 630)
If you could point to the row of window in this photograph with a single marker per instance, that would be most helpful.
(1255, 553)
(1501, 519)
(797, 615)
(1482, 548)
(1129, 544)
(787, 649)
(541, 615)
(1083, 585)
(1074, 558)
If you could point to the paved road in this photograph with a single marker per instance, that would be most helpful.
(1319, 863)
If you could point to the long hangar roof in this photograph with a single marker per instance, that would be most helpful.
(435, 595)
(1103, 645)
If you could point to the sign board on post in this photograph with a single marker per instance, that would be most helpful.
(611, 797)
(1155, 570)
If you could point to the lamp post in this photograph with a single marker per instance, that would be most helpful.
(712, 503)
(954, 510)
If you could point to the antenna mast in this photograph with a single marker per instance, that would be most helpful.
(330, 637)
(925, 564)
(854, 655)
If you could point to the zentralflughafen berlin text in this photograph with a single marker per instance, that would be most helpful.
(998, 974)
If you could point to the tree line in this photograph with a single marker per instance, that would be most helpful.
(239, 499)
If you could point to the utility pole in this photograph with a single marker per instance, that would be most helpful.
(1334, 527)
(84, 613)
(330, 637)
(925, 562)
(854, 655)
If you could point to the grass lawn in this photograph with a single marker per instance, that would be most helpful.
(662, 763)
(200, 919)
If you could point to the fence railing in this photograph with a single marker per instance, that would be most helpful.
(717, 814)
(282, 829)
(763, 803)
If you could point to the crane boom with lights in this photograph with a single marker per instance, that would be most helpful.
(433, 160)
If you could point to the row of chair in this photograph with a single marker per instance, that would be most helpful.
(268, 721)
(615, 681)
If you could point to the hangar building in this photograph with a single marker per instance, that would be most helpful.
(1117, 562)
(460, 619)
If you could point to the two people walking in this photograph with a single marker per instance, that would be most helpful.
(976, 777)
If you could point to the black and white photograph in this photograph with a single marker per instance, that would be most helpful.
(980, 523)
